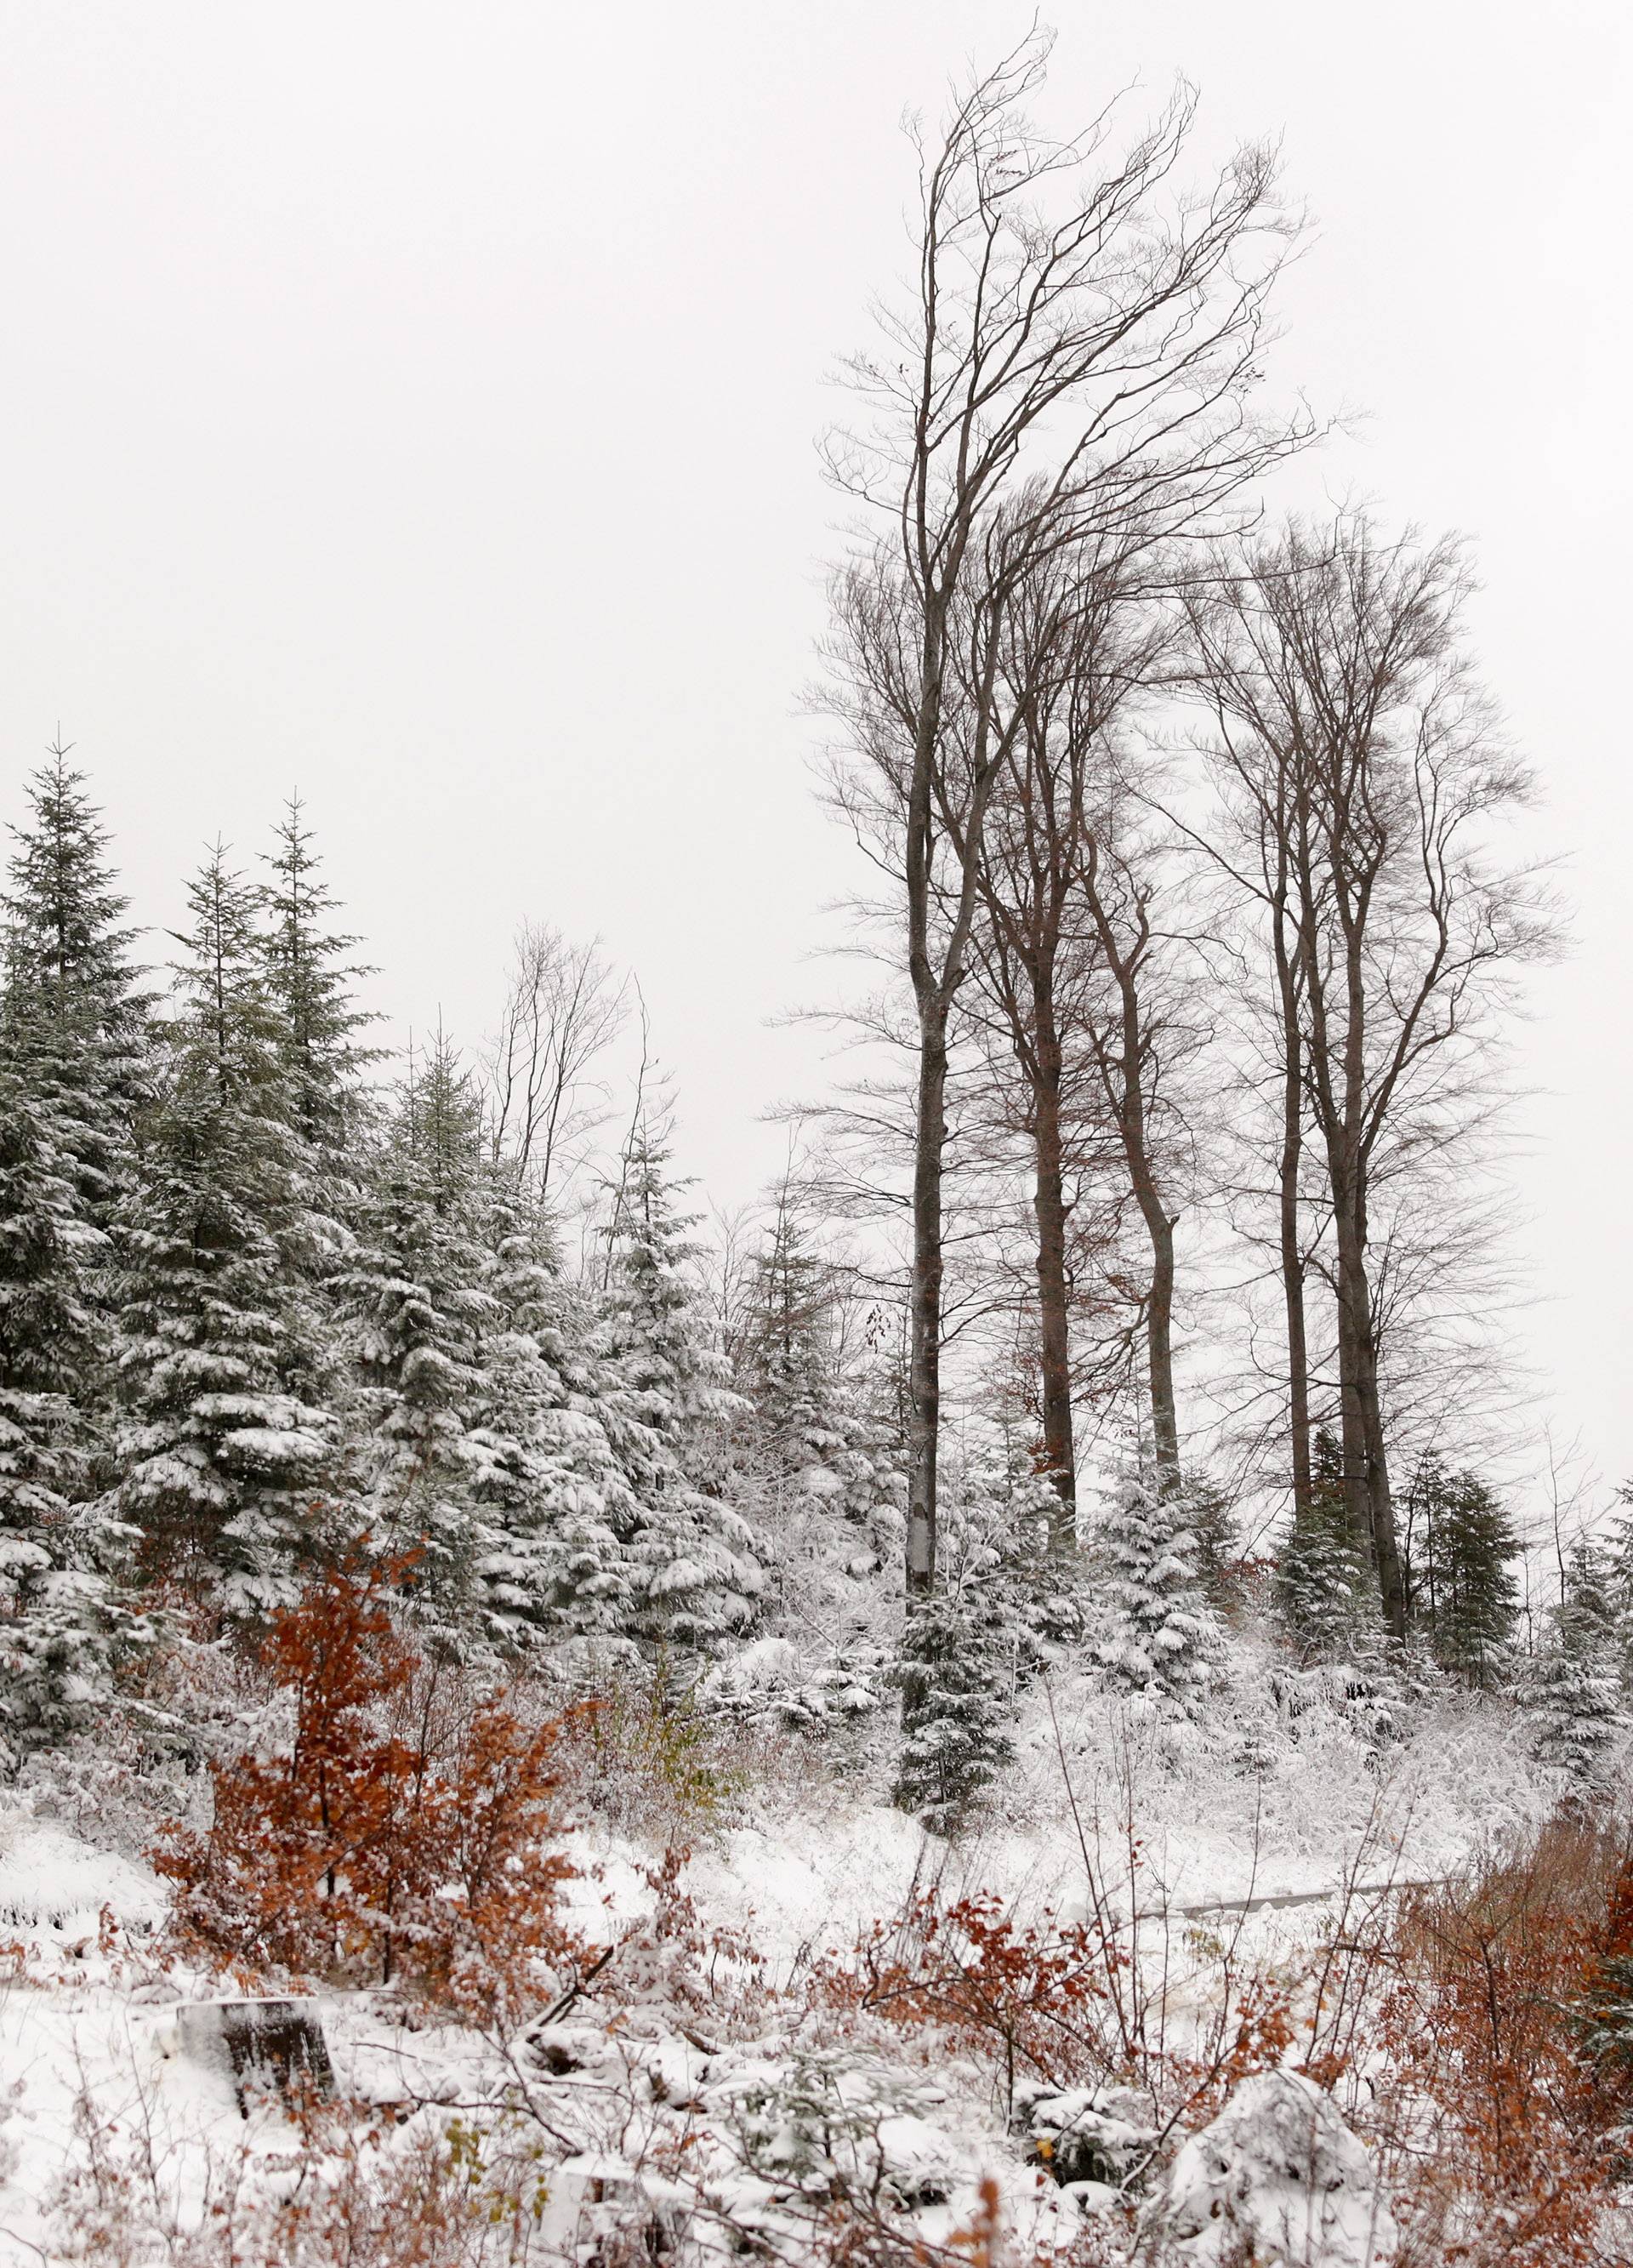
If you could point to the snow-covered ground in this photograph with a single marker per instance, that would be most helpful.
(99, 2086)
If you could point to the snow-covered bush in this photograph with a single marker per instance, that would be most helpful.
(1160, 1639)
(1277, 2178)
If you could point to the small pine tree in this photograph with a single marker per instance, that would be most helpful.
(419, 1313)
(1326, 1595)
(74, 1026)
(957, 1671)
(813, 1448)
(1574, 1689)
(1461, 1586)
(222, 1453)
(1160, 1636)
(310, 980)
(73, 1040)
(691, 1559)
(1621, 1553)
(558, 1507)
(56, 1620)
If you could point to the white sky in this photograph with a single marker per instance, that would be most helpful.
(415, 404)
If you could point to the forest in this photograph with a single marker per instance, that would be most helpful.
(1016, 1700)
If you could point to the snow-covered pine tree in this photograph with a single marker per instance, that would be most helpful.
(692, 1559)
(1326, 1595)
(72, 1036)
(1574, 1686)
(1460, 1587)
(1160, 1637)
(75, 1027)
(57, 1621)
(1620, 1549)
(311, 978)
(224, 1452)
(557, 1506)
(958, 1723)
(815, 1447)
(418, 1311)
(958, 1668)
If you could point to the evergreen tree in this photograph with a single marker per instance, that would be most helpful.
(1460, 1587)
(1161, 1635)
(224, 1451)
(72, 1024)
(419, 1313)
(691, 1559)
(815, 1445)
(72, 1037)
(1620, 1554)
(966, 1651)
(956, 1670)
(558, 1508)
(1326, 1595)
(1574, 1688)
(57, 1623)
(310, 980)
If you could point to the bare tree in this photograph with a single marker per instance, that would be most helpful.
(1082, 640)
(1363, 765)
(1139, 1043)
(563, 1008)
(1052, 373)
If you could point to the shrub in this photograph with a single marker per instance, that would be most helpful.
(376, 1846)
(1494, 2100)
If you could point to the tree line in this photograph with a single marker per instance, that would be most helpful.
(1189, 820)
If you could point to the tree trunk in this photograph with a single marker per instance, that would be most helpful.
(925, 1361)
(1158, 1228)
(1049, 1206)
(1291, 1254)
(1368, 1509)
(1386, 1544)
(1159, 1336)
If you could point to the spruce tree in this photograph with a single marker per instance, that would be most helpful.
(311, 976)
(692, 1564)
(1326, 1594)
(815, 1445)
(58, 1619)
(72, 1023)
(557, 1507)
(1574, 1688)
(418, 1314)
(1460, 1587)
(72, 1041)
(1160, 1637)
(223, 1449)
(956, 1670)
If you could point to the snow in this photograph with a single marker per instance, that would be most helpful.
(1277, 2178)
(801, 1865)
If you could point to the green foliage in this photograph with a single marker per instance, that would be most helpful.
(1458, 1550)
(957, 1667)
(310, 979)
(1326, 1592)
(1159, 1634)
(417, 1310)
(689, 1560)
(224, 1446)
(1574, 1687)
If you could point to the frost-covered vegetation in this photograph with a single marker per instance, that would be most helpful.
(1009, 1705)
(507, 1655)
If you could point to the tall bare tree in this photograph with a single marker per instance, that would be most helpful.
(1363, 766)
(1077, 354)
(563, 1008)
(1140, 1042)
(1082, 641)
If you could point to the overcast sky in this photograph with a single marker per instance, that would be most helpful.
(414, 405)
